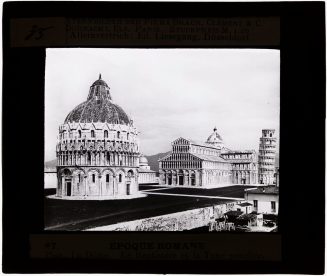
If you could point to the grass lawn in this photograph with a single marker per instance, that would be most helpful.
(80, 214)
(232, 191)
(143, 187)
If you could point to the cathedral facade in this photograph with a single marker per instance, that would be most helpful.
(97, 150)
(207, 165)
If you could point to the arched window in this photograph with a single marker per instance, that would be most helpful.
(89, 157)
(120, 178)
(93, 178)
(92, 133)
(108, 156)
(118, 134)
(106, 134)
(79, 178)
(79, 134)
(107, 177)
(127, 136)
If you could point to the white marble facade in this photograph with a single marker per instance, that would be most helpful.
(97, 149)
(207, 165)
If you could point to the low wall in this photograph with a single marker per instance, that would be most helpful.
(180, 221)
(50, 180)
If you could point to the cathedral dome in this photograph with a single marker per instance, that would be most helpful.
(143, 160)
(98, 107)
(214, 137)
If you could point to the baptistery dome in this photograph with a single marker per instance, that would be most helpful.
(97, 149)
(98, 107)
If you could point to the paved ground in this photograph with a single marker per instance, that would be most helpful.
(79, 214)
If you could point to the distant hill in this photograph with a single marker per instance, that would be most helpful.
(50, 165)
(153, 160)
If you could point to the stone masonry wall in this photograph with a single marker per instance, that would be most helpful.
(180, 221)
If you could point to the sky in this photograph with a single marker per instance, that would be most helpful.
(170, 93)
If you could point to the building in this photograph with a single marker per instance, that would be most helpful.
(244, 207)
(264, 199)
(146, 175)
(50, 179)
(207, 165)
(276, 176)
(244, 166)
(267, 153)
(97, 150)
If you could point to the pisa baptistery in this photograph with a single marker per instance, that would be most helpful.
(97, 150)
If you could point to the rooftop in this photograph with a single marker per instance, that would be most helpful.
(234, 213)
(202, 144)
(209, 157)
(265, 190)
(238, 152)
(143, 170)
(244, 204)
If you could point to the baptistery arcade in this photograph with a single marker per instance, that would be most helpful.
(97, 150)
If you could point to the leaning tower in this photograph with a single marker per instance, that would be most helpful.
(266, 158)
